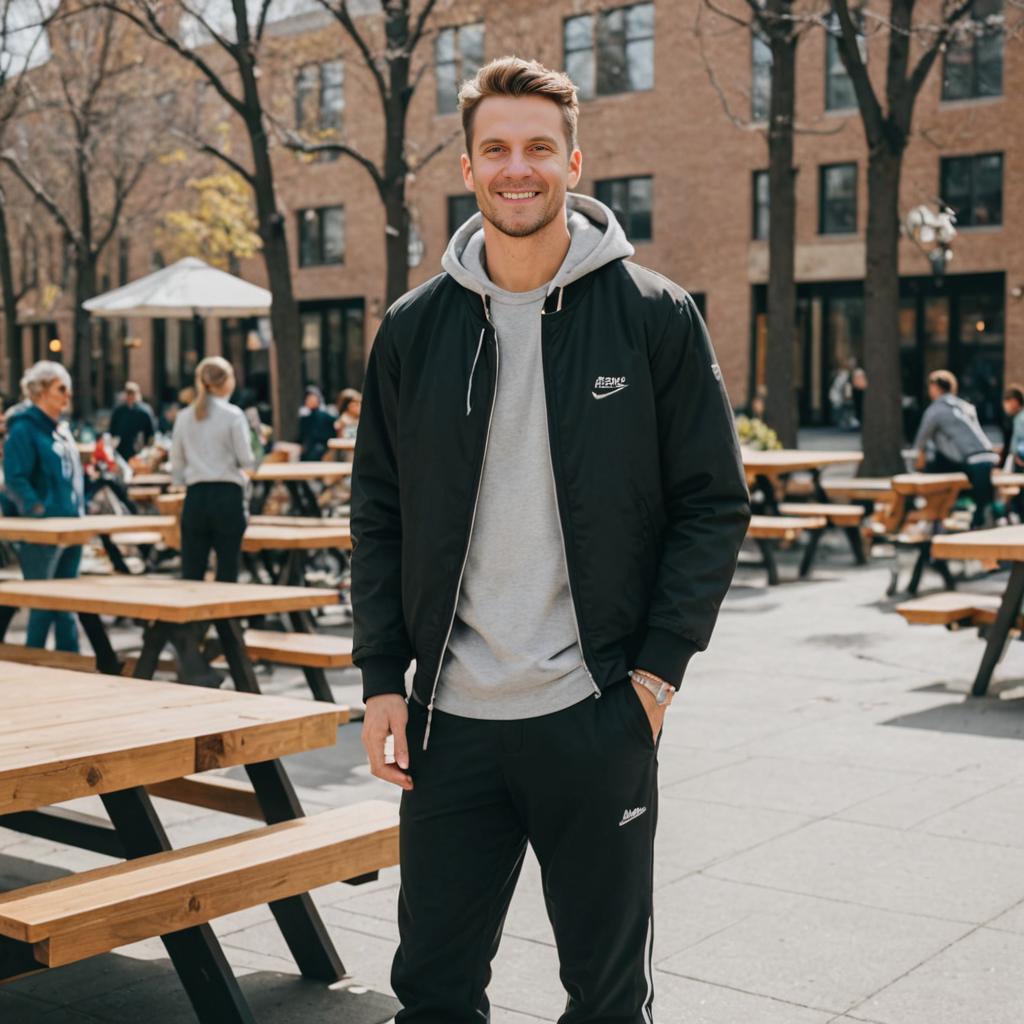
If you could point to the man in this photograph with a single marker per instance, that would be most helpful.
(951, 425)
(547, 497)
(1013, 428)
(316, 425)
(132, 422)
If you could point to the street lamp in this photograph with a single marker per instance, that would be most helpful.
(926, 228)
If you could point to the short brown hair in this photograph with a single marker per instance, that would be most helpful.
(1014, 392)
(945, 380)
(513, 76)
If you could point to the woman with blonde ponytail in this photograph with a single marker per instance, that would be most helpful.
(210, 451)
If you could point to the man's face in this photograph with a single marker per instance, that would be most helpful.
(935, 392)
(520, 166)
(312, 402)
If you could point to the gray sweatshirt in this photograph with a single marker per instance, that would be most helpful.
(951, 424)
(514, 650)
(211, 450)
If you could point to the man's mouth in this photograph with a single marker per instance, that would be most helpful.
(518, 197)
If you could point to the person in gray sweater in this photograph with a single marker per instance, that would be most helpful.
(950, 426)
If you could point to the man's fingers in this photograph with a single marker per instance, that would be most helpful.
(389, 773)
(401, 745)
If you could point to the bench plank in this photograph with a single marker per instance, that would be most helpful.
(95, 911)
(840, 515)
(215, 793)
(314, 650)
(783, 527)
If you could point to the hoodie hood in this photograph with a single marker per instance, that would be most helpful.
(596, 238)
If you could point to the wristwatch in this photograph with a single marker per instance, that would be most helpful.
(663, 692)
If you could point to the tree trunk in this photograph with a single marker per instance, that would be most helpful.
(780, 401)
(82, 361)
(395, 167)
(285, 353)
(397, 241)
(883, 420)
(12, 333)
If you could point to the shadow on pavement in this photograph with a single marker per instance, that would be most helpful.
(977, 716)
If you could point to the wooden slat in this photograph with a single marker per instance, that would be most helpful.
(315, 650)
(944, 609)
(860, 488)
(292, 471)
(75, 529)
(96, 911)
(288, 538)
(46, 659)
(783, 527)
(162, 600)
(1004, 543)
(841, 515)
(216, 793)
(793, 461)
(929, 483)
(328, 522)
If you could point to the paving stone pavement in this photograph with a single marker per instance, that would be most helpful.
(840, 839)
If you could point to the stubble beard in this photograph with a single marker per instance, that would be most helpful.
(544, 217)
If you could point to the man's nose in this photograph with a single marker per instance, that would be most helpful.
(518, 166)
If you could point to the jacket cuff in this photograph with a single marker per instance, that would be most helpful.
(666, 654)
(383, 674)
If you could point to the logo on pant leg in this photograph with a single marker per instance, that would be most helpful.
(630, 815)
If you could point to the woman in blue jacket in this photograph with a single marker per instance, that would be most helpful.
(43, 477)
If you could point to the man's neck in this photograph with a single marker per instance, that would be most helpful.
(524, 264)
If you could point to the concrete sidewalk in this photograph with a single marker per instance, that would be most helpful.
(841, 839)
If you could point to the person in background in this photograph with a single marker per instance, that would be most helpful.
(210, 451)
(316, 425)
(951, 426)
(132, 422)
(858, 385)
(43, 477)
(350, 404)
(1013, 429)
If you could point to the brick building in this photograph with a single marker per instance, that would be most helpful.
(667, 132)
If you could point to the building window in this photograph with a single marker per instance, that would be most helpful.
(306, 81)
(631, 200)
(458, 55)
(320, 100)
(760, 218)
(839, 91)
(321, 236)
(760, 77)
(973, 64)
(332, 94)
(611, 52)
(973, 187)
(837, 190)
(460, 209)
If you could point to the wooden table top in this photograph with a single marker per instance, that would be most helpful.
(76, 529)
(65, 735)
(162, 600)
(929, 483)
(1005, 543)
(791, 460)
(1001, 479)
(289, 538)
(342, 444)
(290, 471)
(151, 480)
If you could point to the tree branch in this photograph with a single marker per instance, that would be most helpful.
(344, 17)
(437, 148)
(40, 193)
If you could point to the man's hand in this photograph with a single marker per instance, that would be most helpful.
(387, 715)
(655, 714)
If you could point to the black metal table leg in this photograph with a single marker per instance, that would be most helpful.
(154, 639)
(106, 658)
(115, 556)
(856, 539)
(810, 551)
(1009, 609)
(820, 494)
(195, 952)
(6, 614)
(297, 916)
(316, 678)
(767, 549)
(232, 643)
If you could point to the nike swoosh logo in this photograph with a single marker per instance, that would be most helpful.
(608, 394)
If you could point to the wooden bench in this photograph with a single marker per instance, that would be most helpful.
(311, 521)
(66, 659)
(79, 916)
(953, 610)
(837, 515)
(768, 532)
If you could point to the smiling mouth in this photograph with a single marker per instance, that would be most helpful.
(518, 197)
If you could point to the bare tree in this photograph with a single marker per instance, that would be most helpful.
(223, 44)
(390, 64)
(86, 135)
(22, 41)
(778, 25)
(887, 114)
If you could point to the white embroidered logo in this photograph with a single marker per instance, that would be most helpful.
(608, 386)
(631, 815)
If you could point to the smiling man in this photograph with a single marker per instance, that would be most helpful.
(547, 506)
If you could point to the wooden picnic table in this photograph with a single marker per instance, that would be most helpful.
(792, 460)
(65, 735)
(160, 480)
(164, 604)
(1003, 544)
(297, 477)
(295, 543)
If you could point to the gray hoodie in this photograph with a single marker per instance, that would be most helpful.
(514, 649)
(951, 424)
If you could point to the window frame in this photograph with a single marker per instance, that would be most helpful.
(972, 159)
(598, 25)
(458, 62)
(832, 41)
(319, 259)
(757, 40)
(976, 39)
(625, 222)
(823, 170)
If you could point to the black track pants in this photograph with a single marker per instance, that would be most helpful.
(213, 518)
(581, 787)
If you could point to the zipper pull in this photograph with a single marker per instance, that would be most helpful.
(430, 717)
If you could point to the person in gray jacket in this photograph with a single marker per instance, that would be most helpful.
(951, 426)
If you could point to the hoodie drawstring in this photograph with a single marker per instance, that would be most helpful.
(561, 292)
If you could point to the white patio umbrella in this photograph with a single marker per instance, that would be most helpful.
(185, 290)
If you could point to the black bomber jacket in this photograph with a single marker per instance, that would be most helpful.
(650, 489)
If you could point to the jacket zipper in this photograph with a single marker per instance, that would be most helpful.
(558, 510)
(469, 538)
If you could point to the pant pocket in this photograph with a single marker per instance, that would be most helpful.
(636, 713)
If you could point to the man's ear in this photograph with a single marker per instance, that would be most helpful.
(467, 172)
(575, 168)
